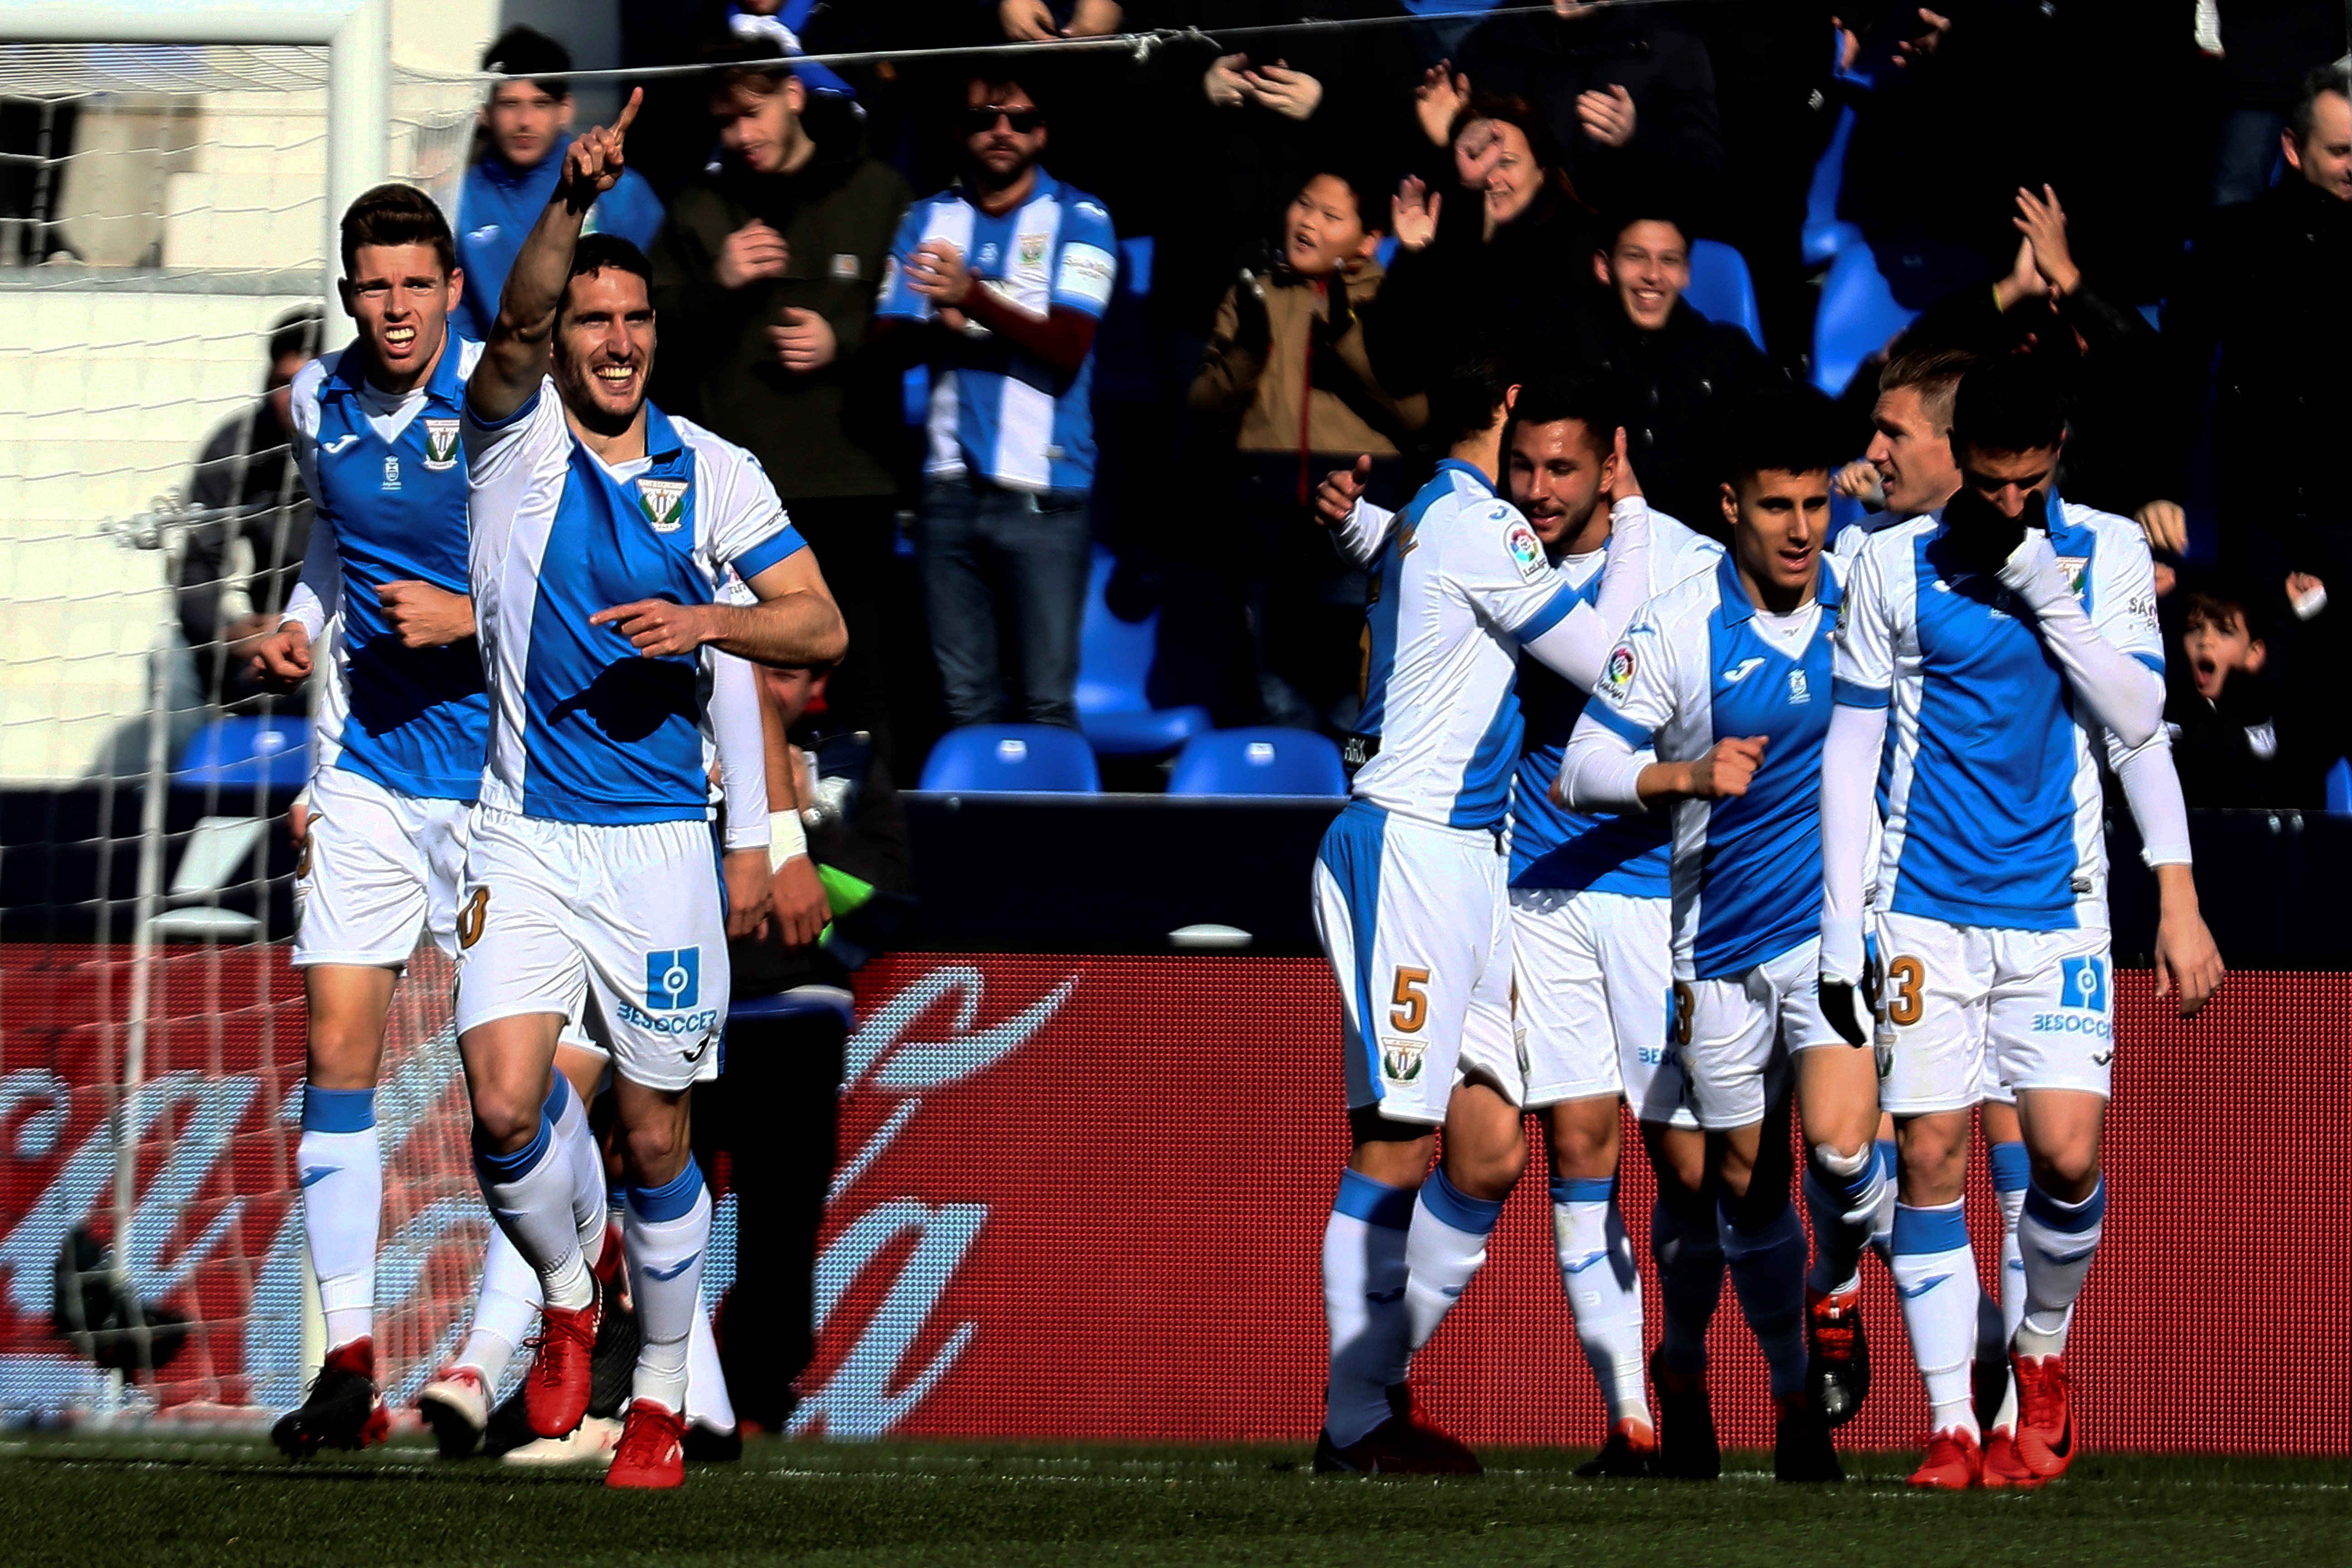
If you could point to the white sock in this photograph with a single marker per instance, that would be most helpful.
(1690, 1282)
(1936, 1275)
(586, 1163)
(505, 1308)
(2058, 1239)
(1997, 1319)
(1442, 1251)
(1604, 1290)
(529, 1192)
(342, 1205)
(1768, 1273)
(1843, 1192)
(665, 1229)
(707, 1404)
(1882, 1228)
(1363, 1303)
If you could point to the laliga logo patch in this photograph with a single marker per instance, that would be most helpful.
(1619, 673)
(673, 978)
(1400, 1063)
(663, 502)
(1526, 550)
(440, 445)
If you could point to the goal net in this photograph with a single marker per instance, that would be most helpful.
(164, 214)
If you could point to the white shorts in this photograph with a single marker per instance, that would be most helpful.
(620, 928)
(1973, 1010)
(1592, 978)
(1744, 1028)
(1413, 919)
(379, 869)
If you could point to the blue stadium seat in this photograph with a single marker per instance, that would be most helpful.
(1858, 315)
(2340, 785)
(245, 751)
(1721, 290)
(1258, 761)
(1012, 759)
(1825, 237)
(1113, 664)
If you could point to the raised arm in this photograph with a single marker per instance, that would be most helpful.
(2120, 692)
(516, 356)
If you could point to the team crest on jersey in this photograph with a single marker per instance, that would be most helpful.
(1400, 1063)
(440, 445)
(2076, 570)
(1527, 552)
(1798, 691)
(392, 473)
(663, 502)
(1032, 249)
(1618, 674)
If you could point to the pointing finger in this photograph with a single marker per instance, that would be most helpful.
(628, 111)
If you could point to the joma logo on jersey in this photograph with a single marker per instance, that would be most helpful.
(673, 978)
(440, 445)
(1400, 1063)
(664, 503)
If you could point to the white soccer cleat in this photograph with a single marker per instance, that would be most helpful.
(590, 1443)
(456, 1406)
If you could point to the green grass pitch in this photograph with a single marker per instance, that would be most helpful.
(123, 1501)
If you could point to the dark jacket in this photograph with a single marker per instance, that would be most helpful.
(248, 468)
(2267, 288)
(832, 432)
(1675, 157)
(1679, 381)
(857, 825)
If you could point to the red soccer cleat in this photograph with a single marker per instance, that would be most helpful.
(1954, 1461)
(653, 1448)
(1631, 1452)
(2004, 1469)
(343, 1409)
(1399, 1446)
(555, 1390)
(2045, 1415)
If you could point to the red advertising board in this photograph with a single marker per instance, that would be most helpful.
(1083, 1197)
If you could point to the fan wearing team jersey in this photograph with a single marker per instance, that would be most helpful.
(998, 284)
(602, 534)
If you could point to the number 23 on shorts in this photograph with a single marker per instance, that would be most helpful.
(1410, 1001)
(470, 918)
(1905, 976)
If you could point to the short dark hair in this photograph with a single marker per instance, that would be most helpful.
(527, 52)
(1614, 226)
(2220, 606)
(296, 333)
(596, 252)
(1780, 431)
(999, 82)
(2335, 79)
(1934, 372)
(1594, 402)
(1361, 187)
(762, 64)
(1474, 391)
(2011, 404)
(397, 214)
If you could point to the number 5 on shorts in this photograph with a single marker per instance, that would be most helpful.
(470, 918)
(1411, 1004)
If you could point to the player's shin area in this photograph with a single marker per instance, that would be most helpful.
(2062, 1129)
(508, 1063)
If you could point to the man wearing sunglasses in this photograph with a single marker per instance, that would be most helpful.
(999, 282)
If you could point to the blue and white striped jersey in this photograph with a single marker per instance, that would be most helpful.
(1990, 790)
(1460, 584)
(1701, 664)
(582, 727)
(1552, 846)
(996, 411)
(388, 482)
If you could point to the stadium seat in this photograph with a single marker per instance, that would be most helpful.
(1824, 236)
(1012, 759)
(1721, 290)
(801, 1002)
(1114, 663)
(238, 750)
(2339, 786)
(1258, 761)
(1858, 315)
(216, 850)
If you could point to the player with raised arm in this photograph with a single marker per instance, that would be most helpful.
(1984, 648)
(1591, 967)
(1725, 680)
(602, 533)
(1409, 883)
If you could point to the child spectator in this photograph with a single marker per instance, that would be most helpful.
(2239, 735)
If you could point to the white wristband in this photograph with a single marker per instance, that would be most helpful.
(787, 838)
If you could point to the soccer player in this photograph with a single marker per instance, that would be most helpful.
(1592, 965)
(1965, 632)
(602, 533)
(1727, 679)
(1409, 883)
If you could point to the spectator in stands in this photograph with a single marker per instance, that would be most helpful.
(2239, 735)
(1627, 92)
(841, 891)
(2266, 289)
(525, 129)
(1680, 373)
(1288, 377)
(2265, 48)
(999, 284)
(237, 569)
(766, 275)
